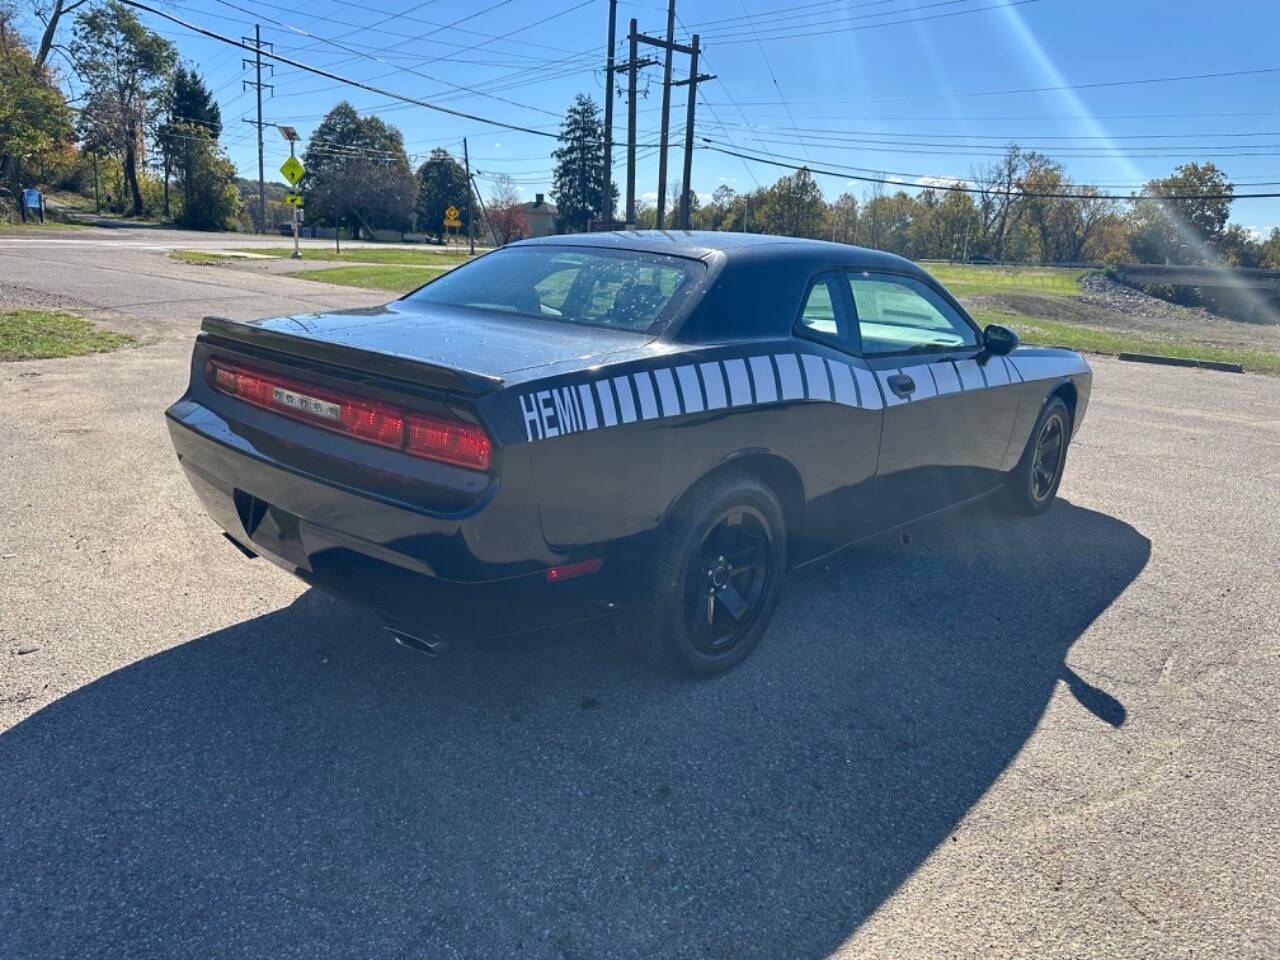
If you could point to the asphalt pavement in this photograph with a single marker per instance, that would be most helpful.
(1051, 737)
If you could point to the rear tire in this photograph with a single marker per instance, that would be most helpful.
(719, 567)
(1033, 484)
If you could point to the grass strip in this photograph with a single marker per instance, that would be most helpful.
(41, 334)
(1112, 342)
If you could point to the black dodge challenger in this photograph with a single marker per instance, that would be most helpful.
(654, 425)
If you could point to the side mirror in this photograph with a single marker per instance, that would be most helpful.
(998, 341)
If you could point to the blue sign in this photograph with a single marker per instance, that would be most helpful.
(31, 197)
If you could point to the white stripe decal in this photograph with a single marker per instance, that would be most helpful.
(1046, 368)
(846, 393)
(717, 384)
(997, 375)
(606, 403)
(815, 375)
(713, 382)
(626, 405)
(925, 388)
(644, 390)
(789, 375)
(868, 389)
(891, 399)
(588, 405)
(739, 385)
(945, 376)
(970, 375)
(766, 384)
(667, 392)
(691, 389)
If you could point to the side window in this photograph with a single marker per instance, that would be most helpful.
(819, 315)
(901, 314)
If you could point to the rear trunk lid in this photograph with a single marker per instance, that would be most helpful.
(458, 349)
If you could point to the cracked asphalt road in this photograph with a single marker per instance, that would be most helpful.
(1038, 738)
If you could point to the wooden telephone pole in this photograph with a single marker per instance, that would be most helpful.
(669, 46)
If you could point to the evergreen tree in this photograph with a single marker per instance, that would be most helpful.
(188, 102)
(441, 183)
(575, 186)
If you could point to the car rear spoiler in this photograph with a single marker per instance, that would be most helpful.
(383, 364)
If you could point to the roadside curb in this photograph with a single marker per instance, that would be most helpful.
(1182, 362)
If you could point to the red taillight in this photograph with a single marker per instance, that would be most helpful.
(451, 441)
(447, 440)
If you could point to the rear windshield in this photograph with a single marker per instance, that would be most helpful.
(599, 288)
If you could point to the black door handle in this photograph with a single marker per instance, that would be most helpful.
(901, 384)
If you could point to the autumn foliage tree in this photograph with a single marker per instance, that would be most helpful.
(124, 67)
(508, 220)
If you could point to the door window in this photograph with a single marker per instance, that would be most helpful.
(903, 315)
(822, 314)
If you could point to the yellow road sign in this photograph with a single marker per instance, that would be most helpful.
(293, 199)
(451, 214)
(292, 171)
(453, 223)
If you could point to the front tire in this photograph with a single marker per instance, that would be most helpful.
(1033, 484)
(720, 565)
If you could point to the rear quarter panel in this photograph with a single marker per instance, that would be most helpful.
(614, 447)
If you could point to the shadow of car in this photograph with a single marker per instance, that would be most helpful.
(295, 785)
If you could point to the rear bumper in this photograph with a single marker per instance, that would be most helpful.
(476, 574)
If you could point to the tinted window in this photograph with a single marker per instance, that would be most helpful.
(631, 291)
(819, 313)
(900, 314)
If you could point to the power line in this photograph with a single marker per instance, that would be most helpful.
(962, 188)
(1093, 85)
(733, 39)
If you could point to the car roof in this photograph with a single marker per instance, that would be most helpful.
(702, 244)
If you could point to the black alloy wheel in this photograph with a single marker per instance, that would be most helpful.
(1046, 464)
(717, 574)
(1033, 484)
(725, 579)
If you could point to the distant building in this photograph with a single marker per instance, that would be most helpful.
(541, 216)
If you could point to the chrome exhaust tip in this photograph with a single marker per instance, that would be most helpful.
(431, 646)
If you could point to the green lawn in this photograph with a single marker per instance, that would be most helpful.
(35, 225)
(200, 256)
(967, 280)
(397, 279)
(1095, 340)
(398, 256)
(38, 334)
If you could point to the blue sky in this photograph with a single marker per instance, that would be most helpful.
(926, 98)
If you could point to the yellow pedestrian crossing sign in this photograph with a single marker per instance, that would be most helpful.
(451, 213)
(292, 171)
(293, 199)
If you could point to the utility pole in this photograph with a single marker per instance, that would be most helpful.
(257, 84)
(607, 185)
(694, 77)
(666, 115)
(492, 232)
(97, 207)
(471, 229)
(631, 128)
(670, 46)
